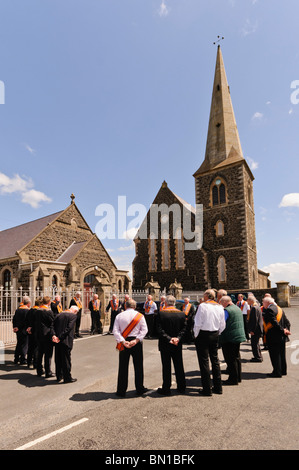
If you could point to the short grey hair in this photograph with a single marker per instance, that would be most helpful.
(170, 300)
(26, 300)
(74, 308)
(210, 293)
(131, 303)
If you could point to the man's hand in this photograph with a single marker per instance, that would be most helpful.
(174, 341)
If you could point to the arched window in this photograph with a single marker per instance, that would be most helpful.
(218, 195)
(219, 228)
(152, 254)
(7, 279)
(165, 251)
(180, 261)
(221, 269)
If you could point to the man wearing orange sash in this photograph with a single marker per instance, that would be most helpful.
(95, 313)
(19, 327)
(114, 305)
(276, 330)
(243, 305)
(56, 306)
(76, 300)
(129, 331)
(189, 311)
(209, 322)
(150, 307)
(171, 328)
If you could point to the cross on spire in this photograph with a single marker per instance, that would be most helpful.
(219, 39)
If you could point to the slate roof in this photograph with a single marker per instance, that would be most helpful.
(15, 238)
(70, 252)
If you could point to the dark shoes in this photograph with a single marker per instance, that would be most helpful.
(69, 381)
(164, 392)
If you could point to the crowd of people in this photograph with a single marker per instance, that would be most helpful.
(216, 323)
(46, 329)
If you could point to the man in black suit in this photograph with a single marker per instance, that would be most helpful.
(276, 329)
(44, 332)
(95, 313)
(171, 327)
(64, 326)
(56, 305)
(19, 327)
(115, 307)
(255, 328)
(76, 300)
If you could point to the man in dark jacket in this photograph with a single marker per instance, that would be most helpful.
(277, 331)
(19, 327)
(64, 326)
(255, 328)
(44, 332)
(171, 327)
(231, 338)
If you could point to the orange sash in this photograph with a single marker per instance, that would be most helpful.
(186, 308)
(112, 304)
(78, 303)
(171, 308)
(96, 304)
(59, 307)
(148, 305)
(130, 327)
(162, 306)
(268, 326)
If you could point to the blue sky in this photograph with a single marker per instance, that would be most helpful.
(107, 98)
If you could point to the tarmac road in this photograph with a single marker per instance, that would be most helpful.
(261, 413)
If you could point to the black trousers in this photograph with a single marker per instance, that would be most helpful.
(96, 324)
(231, 353)
(149, 318)
(44, 351)
(245, 322)
(63, 362)
(32, 351)
(78, 322)
(207, 349)
(255, 346)
(123, 367)
(21, 347)
(277, 352)
(170, 353)
(114, 314)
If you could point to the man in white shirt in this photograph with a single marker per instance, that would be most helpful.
(243, 305)
(129, 330)
(150, 307)
(209, 322)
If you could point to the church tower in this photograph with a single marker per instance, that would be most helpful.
(224, 186)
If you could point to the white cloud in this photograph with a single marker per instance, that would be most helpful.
(283, 272)
(252, 164)
(290, 200)
(23, 186)
(127, 248)
(163, 9)
(249, 28)
(34, 198)
(130, 234)
(257, 116)
(30, 149)
(14, 184)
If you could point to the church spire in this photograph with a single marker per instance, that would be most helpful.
(223, 142)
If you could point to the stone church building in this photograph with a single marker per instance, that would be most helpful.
(227, 257)
(58, 253)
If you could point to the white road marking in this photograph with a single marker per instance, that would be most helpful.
(52, 434)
